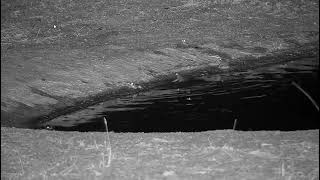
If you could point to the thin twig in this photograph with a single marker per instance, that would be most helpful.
(38, 33)
(306, 94)
(283, 170)
(234, 124)
(105, 143)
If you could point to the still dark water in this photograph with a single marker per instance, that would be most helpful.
(260, 99)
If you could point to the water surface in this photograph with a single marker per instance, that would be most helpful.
(259, 99)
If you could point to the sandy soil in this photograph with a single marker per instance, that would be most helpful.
(223, 154)
(60, 56)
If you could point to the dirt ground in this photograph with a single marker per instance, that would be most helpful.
(222, 154)
(60, 56)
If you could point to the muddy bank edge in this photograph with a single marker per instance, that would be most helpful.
(60, 57)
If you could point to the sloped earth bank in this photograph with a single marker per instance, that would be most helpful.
(222, 154)
(61, 56)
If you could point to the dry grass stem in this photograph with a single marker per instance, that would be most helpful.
(234, 124)
(306, 94)
(105, 142)
(38, 33)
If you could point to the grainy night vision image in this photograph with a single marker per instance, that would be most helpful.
(153, 90)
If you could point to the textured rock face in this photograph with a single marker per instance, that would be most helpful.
(62, 54)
